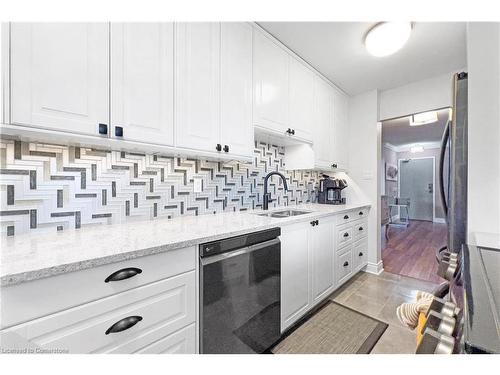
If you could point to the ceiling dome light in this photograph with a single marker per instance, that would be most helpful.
(385, 38)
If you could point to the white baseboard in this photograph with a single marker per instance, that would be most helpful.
(374, 268)
(439, 220)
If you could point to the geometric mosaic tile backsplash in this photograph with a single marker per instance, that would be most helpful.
(52, 187)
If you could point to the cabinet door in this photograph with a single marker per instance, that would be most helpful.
(295, 273)
(323, 108)
(322, 253)
(197, 120)
(236, 88)
(340, 154)
(59, 75)
(270, 84)
(301, 99)
(142, 81)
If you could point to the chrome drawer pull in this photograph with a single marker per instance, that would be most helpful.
(124, 324)
(124, 273)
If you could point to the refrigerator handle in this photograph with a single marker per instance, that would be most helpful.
(444, 141)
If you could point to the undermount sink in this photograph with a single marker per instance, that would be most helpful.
(284, 213)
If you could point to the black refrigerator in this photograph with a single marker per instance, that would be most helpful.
(453, 166)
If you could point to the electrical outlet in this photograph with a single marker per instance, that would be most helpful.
(198, 184)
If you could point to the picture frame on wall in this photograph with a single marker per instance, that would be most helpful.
(391, 172)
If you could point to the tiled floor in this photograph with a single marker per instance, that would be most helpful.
(378, 297)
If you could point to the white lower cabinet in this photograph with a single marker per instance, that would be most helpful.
(307, 274)
(156, 317)
(316, 259)
(295, 273)
(322, 252)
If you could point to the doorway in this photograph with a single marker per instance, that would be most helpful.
(416, 183)
(411, 207)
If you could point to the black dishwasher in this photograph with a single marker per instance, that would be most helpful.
(240, 293)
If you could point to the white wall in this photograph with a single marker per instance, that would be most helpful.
(364, 159)
(420, 96)
(483, 60)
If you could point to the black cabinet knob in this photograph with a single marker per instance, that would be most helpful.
(124, 324)
(334, 165)
(346, 217)
(124, 273)
(313, 223)
(289, 131)
(218, 147)
(360, 254)
(317, 222)
(360, 213)
(118, 131)
(293, 132)
(346, 234)
(346, 264)
(103, 129)
(226, 148)
(360, 228)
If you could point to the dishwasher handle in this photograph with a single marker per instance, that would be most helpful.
(237, 252)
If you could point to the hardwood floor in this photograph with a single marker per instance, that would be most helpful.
(411, 251)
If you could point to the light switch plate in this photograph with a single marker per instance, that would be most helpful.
(198, 184)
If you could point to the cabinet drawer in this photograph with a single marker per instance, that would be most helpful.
(346, 217)
(30, 300)
(360, 229)
(159, 309)
(360, 253)
(180, 342)
(360, 213)
(344, 265)
(344, 235)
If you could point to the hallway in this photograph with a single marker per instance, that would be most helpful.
(411, 251)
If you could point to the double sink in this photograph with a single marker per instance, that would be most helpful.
(284, 213)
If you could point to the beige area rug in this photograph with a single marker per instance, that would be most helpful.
(334, 329)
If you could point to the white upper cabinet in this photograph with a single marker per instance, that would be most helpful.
(142, 82)
(236, 88)
(59, 76)
(323, 127)
(301, 93)
(197, 107)
(270, 84)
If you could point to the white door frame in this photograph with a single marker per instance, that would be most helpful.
(433, 181)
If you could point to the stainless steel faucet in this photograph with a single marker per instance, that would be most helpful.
(267, 196)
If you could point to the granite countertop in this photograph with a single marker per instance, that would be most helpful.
(33, 256)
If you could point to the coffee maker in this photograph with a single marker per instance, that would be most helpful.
(330, 190)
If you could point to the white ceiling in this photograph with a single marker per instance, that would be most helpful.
(336, 49)
(398, 132)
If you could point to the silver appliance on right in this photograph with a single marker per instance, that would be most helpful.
(471, 301)
(453, 192)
